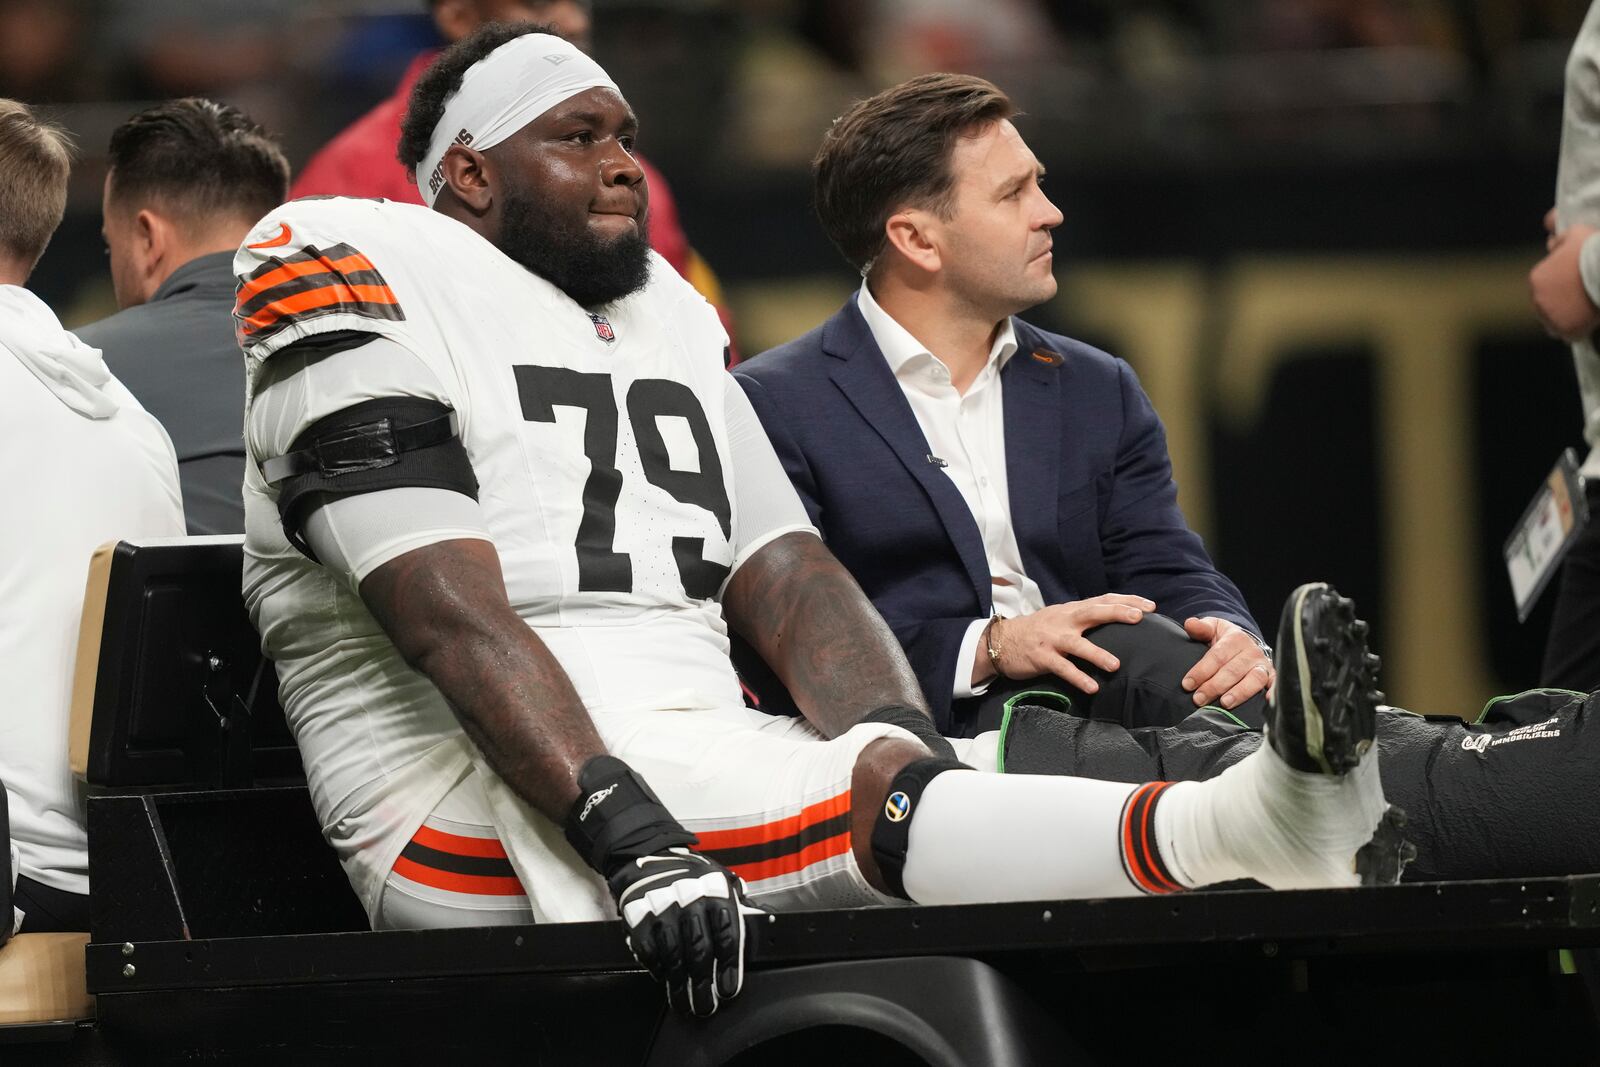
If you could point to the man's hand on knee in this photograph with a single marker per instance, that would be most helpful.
(1031, 645)
(684, 912)
(1235, 668)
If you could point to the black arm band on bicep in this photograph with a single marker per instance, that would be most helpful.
(617, 817)
(387, 443)
(916, 722)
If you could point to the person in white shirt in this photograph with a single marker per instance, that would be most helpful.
(81, 464)
(1565, 287)
(1026, 474)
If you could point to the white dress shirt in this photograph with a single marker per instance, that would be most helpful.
(1578, 200)
(967, 433)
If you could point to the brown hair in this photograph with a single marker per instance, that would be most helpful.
(35, 159)
(203, 159)
(892, 151)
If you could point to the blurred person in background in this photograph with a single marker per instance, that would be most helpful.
(188, 178)
(1565, 287)
(82, 464)
(170, 48)
(42, 57)
(959, 35)
(362, 161)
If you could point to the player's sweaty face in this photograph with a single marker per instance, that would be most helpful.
(577, 158)
(998, 237)
(575, 203)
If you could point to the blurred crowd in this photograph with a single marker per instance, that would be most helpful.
(761, 77)
(733, 95)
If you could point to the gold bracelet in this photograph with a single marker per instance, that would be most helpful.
(990, 632)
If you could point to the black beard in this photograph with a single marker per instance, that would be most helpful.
(591, 271)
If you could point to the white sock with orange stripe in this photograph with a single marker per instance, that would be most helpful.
(1263, 819)
(979, 837)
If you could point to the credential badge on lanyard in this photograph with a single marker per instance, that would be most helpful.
(1552, 522)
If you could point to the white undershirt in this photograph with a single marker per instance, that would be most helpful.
(968, 434)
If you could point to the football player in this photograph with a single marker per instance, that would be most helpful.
(504, 509)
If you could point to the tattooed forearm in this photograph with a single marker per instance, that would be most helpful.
(445, 608)
(798, 607)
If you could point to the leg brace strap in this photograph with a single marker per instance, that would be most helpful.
(891, 834)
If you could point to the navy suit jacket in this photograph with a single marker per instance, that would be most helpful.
(1093, 503)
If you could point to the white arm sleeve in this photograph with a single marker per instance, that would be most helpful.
(765, 505)
(355, 535)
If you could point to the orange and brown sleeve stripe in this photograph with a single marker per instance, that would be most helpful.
(817, 832)
(475, 865)
(1141, 857)
(307, 285)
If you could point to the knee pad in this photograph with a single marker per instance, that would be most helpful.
(891, 833)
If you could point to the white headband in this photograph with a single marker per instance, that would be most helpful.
(503, 92)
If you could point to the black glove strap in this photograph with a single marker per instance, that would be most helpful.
(617, 817)
(916, 722)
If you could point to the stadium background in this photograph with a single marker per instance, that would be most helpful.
(1306, 223)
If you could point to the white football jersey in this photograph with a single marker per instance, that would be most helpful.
(601, 451)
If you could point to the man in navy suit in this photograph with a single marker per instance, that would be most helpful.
(999, 492)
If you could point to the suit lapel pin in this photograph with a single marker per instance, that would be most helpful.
(1047, 357)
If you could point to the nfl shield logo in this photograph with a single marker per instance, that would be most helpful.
(602, 328)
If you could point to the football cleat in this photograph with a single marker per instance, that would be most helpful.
(1322, 716)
